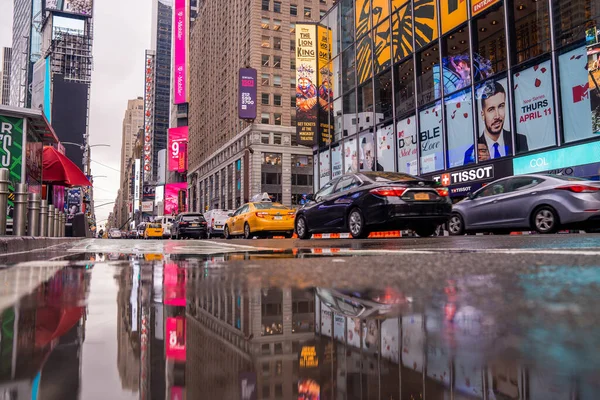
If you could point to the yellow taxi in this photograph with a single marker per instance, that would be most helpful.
(260, 218)
(153, 230)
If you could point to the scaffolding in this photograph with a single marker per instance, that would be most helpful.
(71, 54)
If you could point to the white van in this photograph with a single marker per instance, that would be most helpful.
(167, 223)
(216, 221)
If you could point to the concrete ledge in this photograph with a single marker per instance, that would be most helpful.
(9, 244)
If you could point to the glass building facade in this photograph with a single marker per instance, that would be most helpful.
(438, 87)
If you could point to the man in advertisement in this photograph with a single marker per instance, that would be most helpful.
(494, 136)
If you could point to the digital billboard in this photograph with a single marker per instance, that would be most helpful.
(247, 93)
(11, 153)
(177, 137)
(175, 338)
(148, 115)
(171, 201)
(307, 109)
(77, 7)
(181, 49)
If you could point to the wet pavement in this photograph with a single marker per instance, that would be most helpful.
(488, 317)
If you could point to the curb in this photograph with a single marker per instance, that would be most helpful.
(11, 245)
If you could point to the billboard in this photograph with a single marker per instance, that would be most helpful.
(175, 338)
(174, 285)
(452, 14)
(247, 93)
(136, 185)
(73, 203)
(307, 108)
(37, 84)
(148, 114)
(181, 48)
(149, 192)
(11, 153)
(77, 7)
(161, 174)
(171, 201)
(177, 137)
(147, 206)
(325, 82)
(48, 92)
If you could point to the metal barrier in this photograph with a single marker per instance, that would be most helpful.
(51, 212)
(33, 215)
(4, 174)
(20, 210)
(44, 218)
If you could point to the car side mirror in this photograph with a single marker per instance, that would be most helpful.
(230, 215)
(310, 197)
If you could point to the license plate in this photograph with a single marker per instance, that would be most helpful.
(194, 224)
(421, 196)
(218, 226)
(278, 218)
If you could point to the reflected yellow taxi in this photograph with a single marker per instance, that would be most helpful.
(260, 218)
(153, 230)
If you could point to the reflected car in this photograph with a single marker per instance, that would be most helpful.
(361, 203)
(544, 203)
(114, 234)
(189, 225)
(154, 230)
(260, 218)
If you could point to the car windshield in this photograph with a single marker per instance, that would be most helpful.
(268, 206)
(192, 218)
(389, 177)
(156, 226)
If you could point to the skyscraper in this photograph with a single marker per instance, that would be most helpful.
(132, 123)
(5, 76)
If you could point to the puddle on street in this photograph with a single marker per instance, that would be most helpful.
(150, 326)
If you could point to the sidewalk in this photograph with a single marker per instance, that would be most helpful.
(9, 244)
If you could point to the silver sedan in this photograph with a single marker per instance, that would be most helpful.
(544, 203)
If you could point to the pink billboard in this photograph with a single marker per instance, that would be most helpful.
(181, 45)
(178, 138)
(175, 338)
(174, 287)
(172, 197)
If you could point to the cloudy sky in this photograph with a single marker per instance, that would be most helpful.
(121, 35)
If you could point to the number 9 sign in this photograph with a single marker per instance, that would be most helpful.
(177, 136)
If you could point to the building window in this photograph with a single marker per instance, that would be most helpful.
(266, 349)
(277, 6)
(277, 138)
(271, 178)
(322, 14)
(277, 80)
(426, 61)
(278, 348)
(265, 99)
(276, 61)
(264, 23)
(265, 60)
(293, 83)
(266, 369)
(531, 35)
(277, 43)
(271, 158)
(293, 100)
(266, 391)
(293, 9)
(265, 5)
(307, 12)
(489, 38)
(276, 24)
(276, 99)
(277, 119)
(265, 42)
(301, 161)
(265, 138)
(292, 45)
(264, 118)
(265, 80)
(292, 27)
(293, 64)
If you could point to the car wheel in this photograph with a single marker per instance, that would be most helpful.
(247, 232)
(226, 234)
(425, 230)
(356, 224)
(545, 220)
(302, 228)
(456, 225)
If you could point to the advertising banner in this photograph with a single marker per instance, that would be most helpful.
(307, 109)
(177, 136)
(147, 206)
(339, 327)
(58, 193)
(350, 156)
(325, 84)
(34, 163)
(73, 203)
(136, 185)
(385, 147)
(161, 165)
(580, 94)
(175, 333)
(367, 153)
(183, 159)
(171, 201)
(558, 159)
(431, 142)
(11, 154)
(148, 116)
(326, 320)
(534, 107)
(353, 332)
(37, 84)
(336, 162)
(324, 168)
(181, 48)
(247, 94)
(149, 192)
(478, 6)
(452, 13)
(459, 123)
(77, 7)
(407, 145)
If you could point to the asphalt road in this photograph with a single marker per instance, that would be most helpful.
(490, 317)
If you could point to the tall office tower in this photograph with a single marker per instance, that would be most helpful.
(5, 76)
(132, 123)
(26, 49)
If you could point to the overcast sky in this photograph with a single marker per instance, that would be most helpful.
(121, 35)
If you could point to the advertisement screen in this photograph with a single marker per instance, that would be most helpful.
(494, 138)
(174, 289)
(336, 162)
(534, 107)
(385, 148)
(309, 389)
(180, 47)
(459, 123)
(324, 168)
(247, 93)
(177, 137)
(580, 93)
(175, 334)
(407, 145)
(171, 201)
(11, 153)
(350, 156)
(307, 109)
(78, 7)
(431, 141)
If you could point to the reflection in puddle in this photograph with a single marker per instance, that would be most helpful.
(187, 328)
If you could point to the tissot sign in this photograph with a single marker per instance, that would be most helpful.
(466, 176)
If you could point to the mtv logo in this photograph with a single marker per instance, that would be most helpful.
(581, 92)
(446, 179)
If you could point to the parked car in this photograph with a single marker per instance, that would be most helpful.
(167, 223)
(544, 203)
(154, 230)
(189, 225)
(216, 220)
(367, 202)
(114, 234)
(140, 230)
(260, 218)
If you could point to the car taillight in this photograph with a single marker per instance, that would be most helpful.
(183, 223)
(292, 213)
(388, 191)
(442, 192)
(262, 214)
(579, 188)
(203, 222)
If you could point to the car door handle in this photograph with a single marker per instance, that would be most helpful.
(533, 193)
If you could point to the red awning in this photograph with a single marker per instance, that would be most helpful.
(59, 170)
(52, 323)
